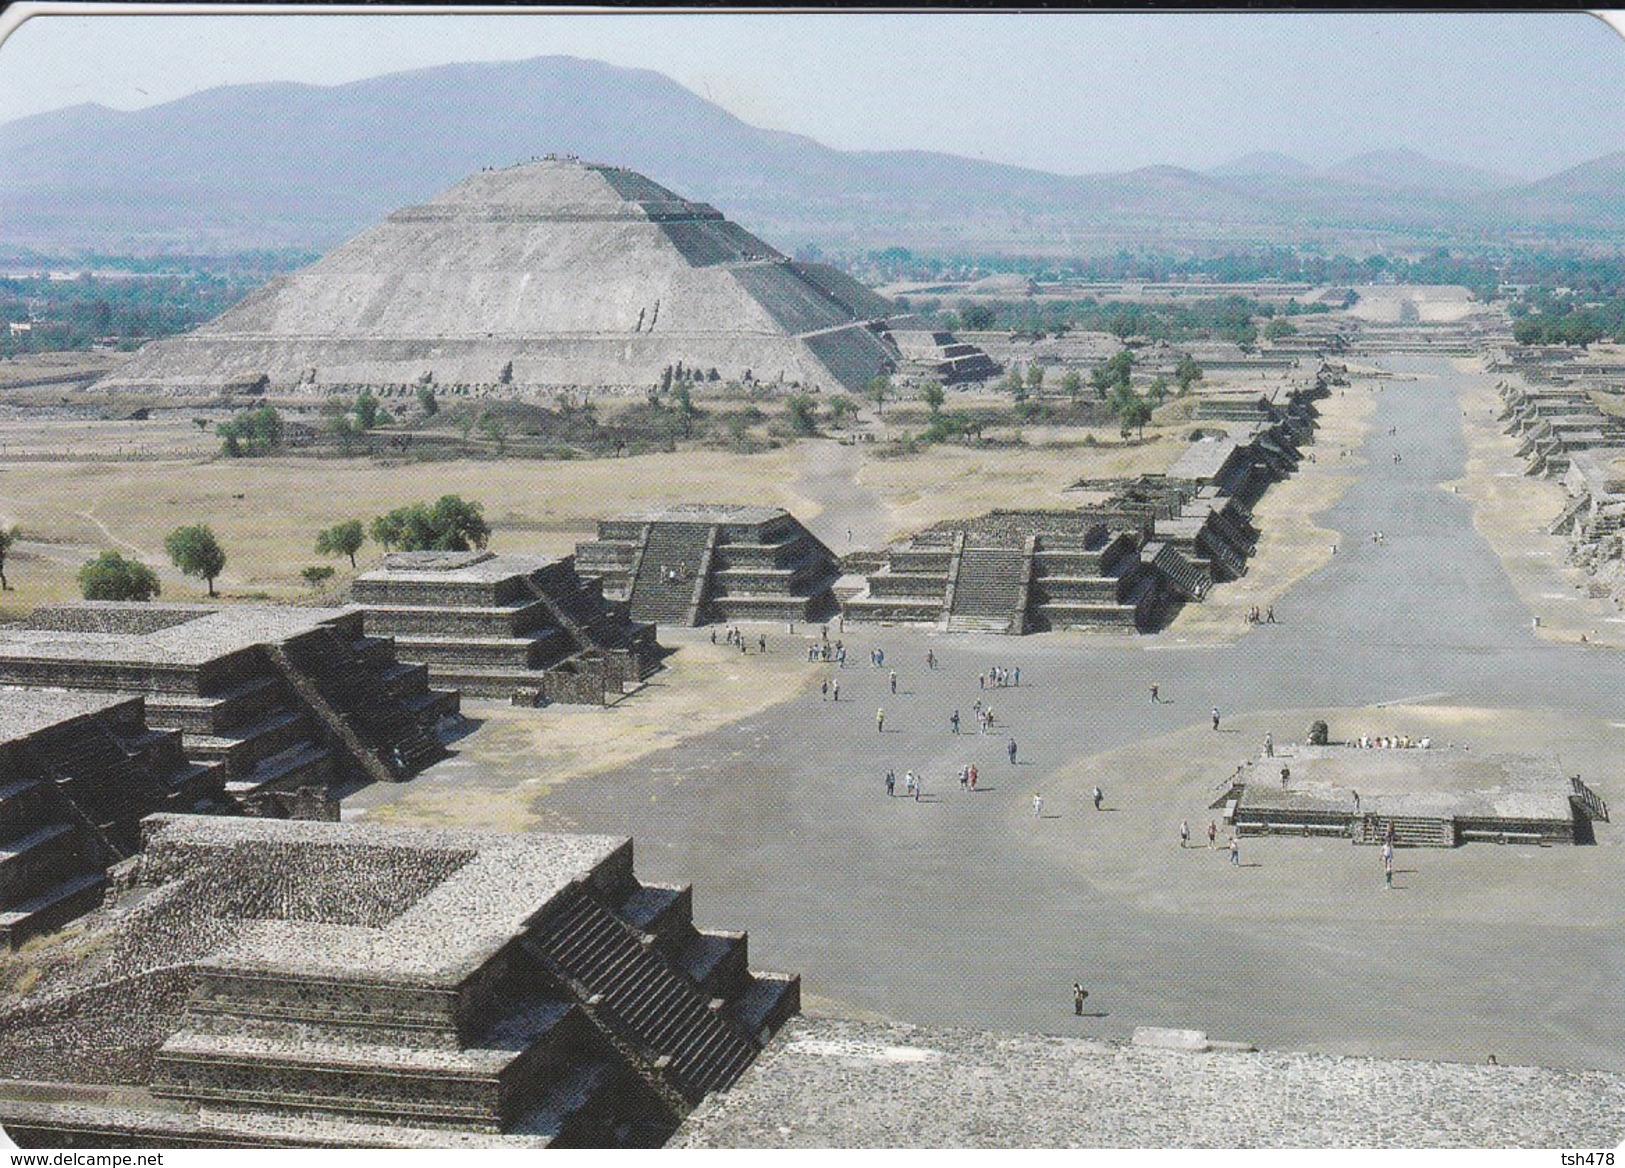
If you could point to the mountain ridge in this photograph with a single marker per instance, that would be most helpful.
(291, 164)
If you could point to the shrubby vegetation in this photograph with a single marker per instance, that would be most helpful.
(112, 577)
(448, 525)
(254, 431)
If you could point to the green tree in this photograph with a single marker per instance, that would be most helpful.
(1187, 373)
(196, 552)
(8, 536)
(342, 539)
(1035, 377)
(802, 412)
(879, 390)
(428, 402)
(1132, 410)
(112, 577)
(1158, 391)
(1071, 385)
(317, 574)
(366, 410)
(449, 525)
(493, 428)
(841, 407)
(933, 397)
(1279, 327)
(685, 409)
(255, 431)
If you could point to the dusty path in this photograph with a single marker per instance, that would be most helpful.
(967, 909)
(844, 514)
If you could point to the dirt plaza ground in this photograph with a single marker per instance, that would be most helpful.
(968, 909)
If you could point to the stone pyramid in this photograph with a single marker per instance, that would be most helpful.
(545, 275)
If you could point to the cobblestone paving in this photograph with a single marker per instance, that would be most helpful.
(826, 1083)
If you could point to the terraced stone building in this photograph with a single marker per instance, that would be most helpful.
(531, 278)
(278, 701)
(78, 771)
(268, 983)
(697, 563)
(527, 628)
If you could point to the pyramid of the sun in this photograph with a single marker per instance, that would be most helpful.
(549, 274)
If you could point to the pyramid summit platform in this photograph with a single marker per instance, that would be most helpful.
(546, 275)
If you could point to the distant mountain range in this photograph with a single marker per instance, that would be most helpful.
(279, 165)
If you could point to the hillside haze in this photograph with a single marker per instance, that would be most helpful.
(275, 165)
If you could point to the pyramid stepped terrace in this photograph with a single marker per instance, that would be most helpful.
(78, 772)
(525, 628)
(279, 984)
(550, 274)
(697, 563)
(284, 700)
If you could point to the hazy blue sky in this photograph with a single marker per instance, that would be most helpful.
(1525, 94)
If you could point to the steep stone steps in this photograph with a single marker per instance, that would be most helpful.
(673, 561)
(630, 984)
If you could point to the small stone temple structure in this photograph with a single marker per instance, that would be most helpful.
(1127, 560)
(531, 278)
(282, 699)
(527, 628)
(267, 983)
(696, 563)
(78, 771)
(1412, 794)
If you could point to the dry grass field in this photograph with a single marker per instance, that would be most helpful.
(78, 483)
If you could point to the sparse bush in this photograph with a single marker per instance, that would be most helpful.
(112, 577)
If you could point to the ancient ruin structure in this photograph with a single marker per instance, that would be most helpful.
(838, 1083)
(282, 699)
(275, 983)
(697, 563)
(1414, 793)
(1555, 423)
(549, 274)
(78, 771)
(933, 353)
(521, 627)
(1128, 561)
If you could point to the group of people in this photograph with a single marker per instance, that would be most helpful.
(1255, 616)
(736, 638)
(997, 678)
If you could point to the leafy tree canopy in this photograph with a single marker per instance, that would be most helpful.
(112, 577)
(195, 551)
(450, 525)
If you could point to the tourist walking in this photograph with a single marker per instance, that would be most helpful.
(1155, 700)
(930, 659)
(1269, 746)
(1387, 864)
(1235, 853)
(1078, 994)
(894, 681)
(880, 720)
(835, 690)
(973, 776)
(824, 690)
(1286, 775)
(953, 720)
(891, 783)
(1011, 751)
(1215, 717)
(964, 778)
(1099, 798)
(1212, 834)
(1038, 805)
(1184, 833)
(1016, 677)
(911, 784)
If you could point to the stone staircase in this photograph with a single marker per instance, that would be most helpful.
(987, 595)
(1588, 801)
(384, 726)
(671, 573)
(626, 981)
(1410, 831)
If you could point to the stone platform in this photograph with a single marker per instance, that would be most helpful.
(699, 563)
(1432, 796)
(283, 699)
(274, 983)
(508, 626)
